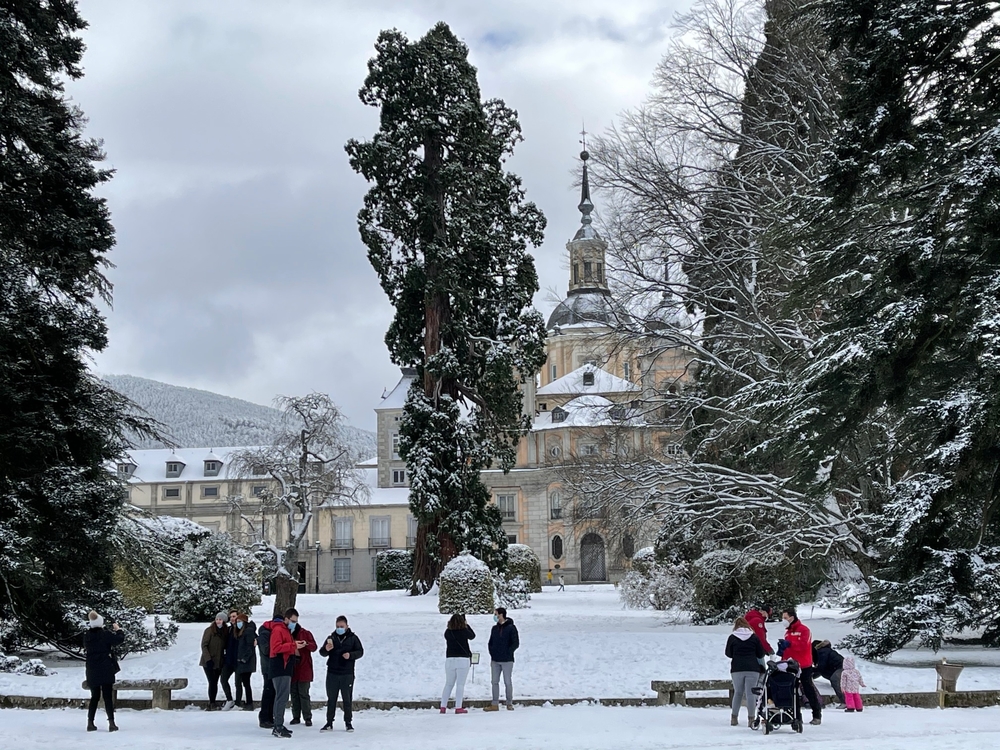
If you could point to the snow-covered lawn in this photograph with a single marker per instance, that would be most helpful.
(576, 644)
(545, 728)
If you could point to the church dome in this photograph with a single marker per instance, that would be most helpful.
(593, 308)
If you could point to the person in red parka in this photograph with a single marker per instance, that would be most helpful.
(797, 644)
(302, 676)
(756, 617)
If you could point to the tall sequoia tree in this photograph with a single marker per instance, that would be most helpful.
(447, 231)
(58, 425)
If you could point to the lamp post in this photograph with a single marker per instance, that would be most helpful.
(319, 546)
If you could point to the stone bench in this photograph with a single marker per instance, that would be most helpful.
(675, 692)
(161, 689)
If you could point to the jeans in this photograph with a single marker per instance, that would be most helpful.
(743, 685)
(343, 684)
(266, 714)
(243, 686)
(456, 671)
(225, 674)
(213, 684)
(835, 681)
(96, 693)
(506, 668)
(282, 687)
(853, 700)
(815, 702)
(301, 702)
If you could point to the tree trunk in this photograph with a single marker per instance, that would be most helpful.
(286, 588)
(425, 570)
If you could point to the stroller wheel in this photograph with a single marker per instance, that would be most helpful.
(797, 726)
(767, 727)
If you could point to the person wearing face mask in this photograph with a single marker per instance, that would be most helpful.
(342, 649)
(246, 659)
(229, 660)
(797, 645)
(302, 676)
(213, 651)
(282, 648)
(504, 641)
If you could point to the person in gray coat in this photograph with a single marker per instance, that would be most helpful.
(246, 659)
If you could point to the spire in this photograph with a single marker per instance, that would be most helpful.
(586, 205)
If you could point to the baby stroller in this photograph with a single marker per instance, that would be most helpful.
(779, 697)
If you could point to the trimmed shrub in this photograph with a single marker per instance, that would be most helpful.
(465, 587)
(523, 563)
(510, 593)
(726, 584)
(393, 569)
(643, 561)
(215, 575)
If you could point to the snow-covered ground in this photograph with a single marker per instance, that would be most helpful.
(545, 728)
(576, 644)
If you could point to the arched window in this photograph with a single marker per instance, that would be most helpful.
(557, 547)
(628, 545)
(555, 505)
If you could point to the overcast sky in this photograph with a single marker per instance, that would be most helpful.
(239, 267)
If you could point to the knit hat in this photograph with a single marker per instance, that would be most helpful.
(96, 621)
(222, 616)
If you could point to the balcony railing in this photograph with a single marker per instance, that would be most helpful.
(343, 543)
(411, 542)
(509, 515)
(379, 541)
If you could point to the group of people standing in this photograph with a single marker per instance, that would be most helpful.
(748, 649)
(504, 641)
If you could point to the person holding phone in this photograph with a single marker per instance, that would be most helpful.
(341, 649)
(102, 666)
(457, 661)
(302, 675)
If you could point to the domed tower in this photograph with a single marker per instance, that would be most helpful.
(579, 325)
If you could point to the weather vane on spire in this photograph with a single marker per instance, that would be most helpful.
(583, 140)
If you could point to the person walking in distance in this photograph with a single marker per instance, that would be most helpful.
(213, 650)
(504, 641)
(265, 718)
(246, 660)
(302, 676)
(341, 649)
(457, 661)
(230, 660)
(562, 582)
(797, 644)
(102, 666)
(282, 649)
(548, 577)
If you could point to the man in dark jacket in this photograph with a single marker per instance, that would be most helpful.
(342, 649)
(266, 716)
(504, 641)
(282, 650)
(829, 665)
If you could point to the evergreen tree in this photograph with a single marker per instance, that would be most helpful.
(910, 271)
(447, 231)
(59, 427)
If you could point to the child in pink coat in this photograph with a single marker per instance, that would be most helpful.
(851, 683)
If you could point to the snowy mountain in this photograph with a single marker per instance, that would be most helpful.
(196, 419)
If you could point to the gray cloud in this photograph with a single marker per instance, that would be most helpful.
(239, 267)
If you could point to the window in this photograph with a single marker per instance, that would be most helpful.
(258, 470)
(395, 445)
(508, 506)
(399, 476)
(174, 469)
(576, 273)
(379, 536)
(670, 449)
(552, 372)
(512, 539)
(126, 495)
(210, 491)
(600, 273)
(559, 414)
(212, 468)
(212, 526)
(342, 569)
(588, 378)
(411, 532)
(543, 407)
(588, 449)
(628, 545)
(171, 493)
(343, 533)
(555, 451)
(587, 270)
(557, 547)
(627, 370)
(258, 490)
(617, 412)
(125, 470)
(555, 506)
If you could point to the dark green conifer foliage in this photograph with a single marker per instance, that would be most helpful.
(447, 231)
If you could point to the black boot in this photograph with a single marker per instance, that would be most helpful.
(91, 726)
(112, 727)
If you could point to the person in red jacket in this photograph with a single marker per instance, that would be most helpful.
(282, 663)
(302, 676)
(756, 618)
(797, 644)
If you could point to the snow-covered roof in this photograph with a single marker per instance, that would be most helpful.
(589, 411)
(396, 398)
(368, 462)
(572, 383)
(383, 495)
(151, 464)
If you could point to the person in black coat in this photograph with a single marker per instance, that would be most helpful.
(102, 666)
(458, 659)
(829, 665)
(342, 649)
(746, 653)
(504, 641)
(246, 659)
